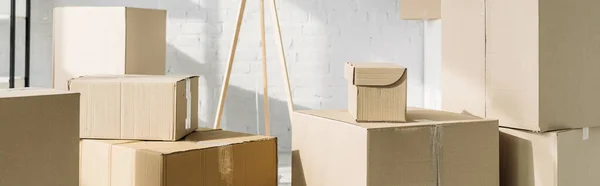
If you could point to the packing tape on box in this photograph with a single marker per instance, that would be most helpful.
(586, 133)
(226, 164)
(188, 97)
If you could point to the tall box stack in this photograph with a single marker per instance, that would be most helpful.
(541, 68)
(139, 130)
(107, 40)
(39, 134)
(139, 127)
(539, 73)
(405, 147)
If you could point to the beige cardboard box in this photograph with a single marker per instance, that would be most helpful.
(39, 136)
(204, 158)
(420, 9)
(542, 64)
(463, 56)
(107, 40)
(559, 158)
(376, 91)
(433, 148)
(137, 107)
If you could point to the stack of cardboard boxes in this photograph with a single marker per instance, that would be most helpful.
(103, 126)
(532, 65)
(142, 129)
(379, 142)
(540, 83)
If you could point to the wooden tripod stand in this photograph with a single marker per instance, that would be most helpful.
(240, 17)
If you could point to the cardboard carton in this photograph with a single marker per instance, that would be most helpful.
(376, 91)
(542, 64)
(204, 158)
(560, 158)
(39, 136)
(107, 40)
(138, 107)
(433, 148)
(463, 56)
(420, 9)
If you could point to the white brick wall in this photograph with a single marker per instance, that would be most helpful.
(319, 37)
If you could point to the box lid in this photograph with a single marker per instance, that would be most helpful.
(415, 117)
(373, 74)
(201, 139)
(131, 78)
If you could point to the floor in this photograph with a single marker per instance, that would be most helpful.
(285, 176)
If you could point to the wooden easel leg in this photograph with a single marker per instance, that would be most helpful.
(225, 86)
(264, 66)
(282, 57)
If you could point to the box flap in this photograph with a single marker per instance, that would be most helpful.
(415, 117)
(136, 78)
(373, 74)
(198, 140)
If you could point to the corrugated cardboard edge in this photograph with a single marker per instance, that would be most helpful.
(264, 138)
(397, 125)
(351, 75)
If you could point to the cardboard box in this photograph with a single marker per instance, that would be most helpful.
(420, 9)
(138, 107)
(542, 64)
(204, 158)
(559, 158)
(434, 148)
(39, 136)
(107, 40)
(463, 56)
(376, 91)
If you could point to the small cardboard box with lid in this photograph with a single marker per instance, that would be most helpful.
(376, 92)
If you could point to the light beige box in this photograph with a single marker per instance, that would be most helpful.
(463, 56)
(137, 107)
(204, 158)
(107, 40)
(542, 64)
(420, 9)
(39, 134)
(433, 148)
(559, 158)
(376, 91)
